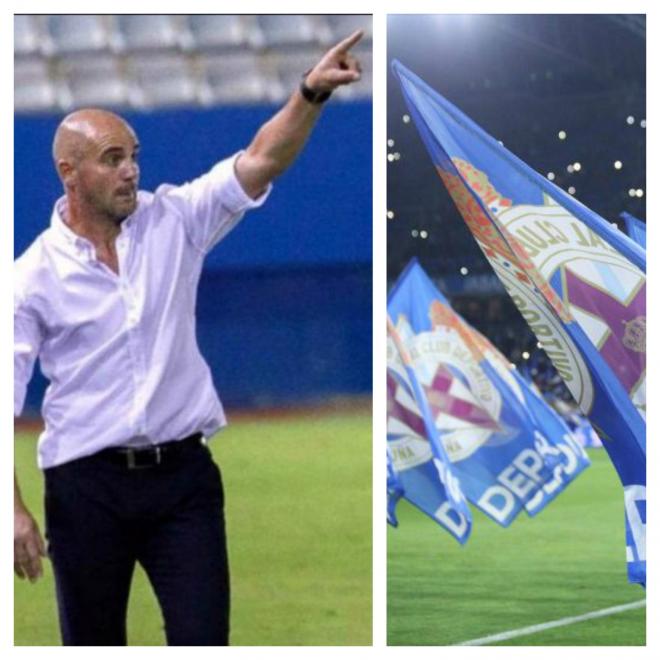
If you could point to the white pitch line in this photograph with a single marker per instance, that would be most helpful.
(520, 632)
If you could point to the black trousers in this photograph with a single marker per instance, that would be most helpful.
(102, 518)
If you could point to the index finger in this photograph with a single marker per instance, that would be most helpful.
(348, 43)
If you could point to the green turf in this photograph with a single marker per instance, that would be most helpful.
(567, 561)
(300, 537)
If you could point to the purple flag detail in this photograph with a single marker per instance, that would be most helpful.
(396, 410)
(441, 400)
(625, 348)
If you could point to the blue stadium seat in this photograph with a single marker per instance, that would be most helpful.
(153, 32)
(27, 35)
(281, 30)
(73, 33)
(95, 80)
(162, 80)
(239, 78)
(220, 31)
(34, 90)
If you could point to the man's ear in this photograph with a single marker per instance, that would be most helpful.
(67, 172)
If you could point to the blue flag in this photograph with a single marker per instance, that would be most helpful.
(636, 228)
(418, 466)
(508, 448)
(578, 282)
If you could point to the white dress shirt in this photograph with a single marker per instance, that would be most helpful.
(120, 351)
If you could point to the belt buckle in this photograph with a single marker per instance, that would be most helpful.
(133, 464)
(130, 460)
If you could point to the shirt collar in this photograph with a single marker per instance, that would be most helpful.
(61, 229)
(66, 234)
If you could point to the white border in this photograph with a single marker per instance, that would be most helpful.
(379, 9)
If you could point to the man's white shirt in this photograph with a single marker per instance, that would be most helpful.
(120, 351)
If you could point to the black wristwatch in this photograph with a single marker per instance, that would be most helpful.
(315, 96)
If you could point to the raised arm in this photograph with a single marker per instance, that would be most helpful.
(280, 140)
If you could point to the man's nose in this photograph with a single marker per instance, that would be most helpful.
(130, 171)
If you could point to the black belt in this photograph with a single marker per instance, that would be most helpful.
(136, 458)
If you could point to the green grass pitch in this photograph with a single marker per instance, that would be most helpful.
(299, 520)
(567, 561)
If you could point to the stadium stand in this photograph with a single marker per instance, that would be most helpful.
(94, 80)
(26, 35)
(34, 89)
(148, 61)
(223, 32)
(238, 77)
(77, 34)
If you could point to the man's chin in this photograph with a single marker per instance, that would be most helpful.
(124, 211)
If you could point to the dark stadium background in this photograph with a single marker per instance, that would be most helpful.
(523, 78)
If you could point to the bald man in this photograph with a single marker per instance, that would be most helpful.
(105, 298)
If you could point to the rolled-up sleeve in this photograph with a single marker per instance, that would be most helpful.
(214, 204)
(27, 342)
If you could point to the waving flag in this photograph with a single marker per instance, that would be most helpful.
(418, 466)
(508, 448)
(636, 228)
(578, 282)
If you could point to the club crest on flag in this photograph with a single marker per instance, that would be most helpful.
(465, 404)
(582, 277)
(602, 291)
